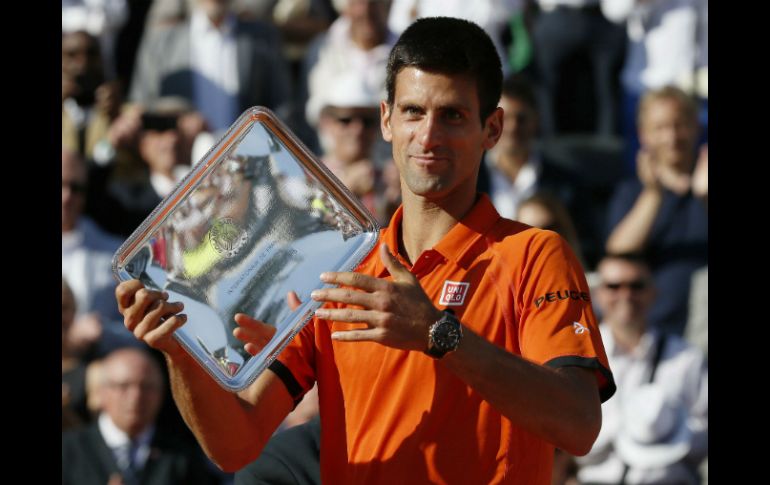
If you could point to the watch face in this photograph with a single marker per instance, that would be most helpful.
(446, 336)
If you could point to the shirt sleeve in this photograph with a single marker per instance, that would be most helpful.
(295, 365)
(557, 325)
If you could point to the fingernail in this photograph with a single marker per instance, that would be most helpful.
(315, 294)
(164, 295)
(322, 313)
(182, 316)
(325, 277)
(180, 305)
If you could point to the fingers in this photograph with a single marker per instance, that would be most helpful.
(124, 293)
(142, 302)
(356, 280)
(348, 296)
(254, 333)
(370, 317)
(367, 335)
(293, 300)
(157, 313)
(396, 269)
(154, 338)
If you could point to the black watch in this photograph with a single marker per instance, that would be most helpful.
(444, 336)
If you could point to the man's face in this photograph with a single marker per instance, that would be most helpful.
(668, 133)
(519, 127)
(81, 64)
(369, 18)
(349, 132)
(434, 126)
(73, 190)
(626, 292)
(536, 215)
(132, 393)
(160, 148)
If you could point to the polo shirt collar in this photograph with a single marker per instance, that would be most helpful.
(455, 244)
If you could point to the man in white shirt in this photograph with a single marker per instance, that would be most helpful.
(656, 428)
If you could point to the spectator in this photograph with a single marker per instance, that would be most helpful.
(348, 129)
(125, 442)
(515, 169)
(656, 429)
(86, 264)
(663, 212)
(545, 211)
(220, 64)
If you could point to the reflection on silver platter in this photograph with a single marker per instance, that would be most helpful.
(258, 217)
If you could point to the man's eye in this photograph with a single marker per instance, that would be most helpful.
(453, 115)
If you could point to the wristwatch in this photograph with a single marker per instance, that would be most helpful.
(444, 336)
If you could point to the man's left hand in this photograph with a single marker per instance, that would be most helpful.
(397, 313)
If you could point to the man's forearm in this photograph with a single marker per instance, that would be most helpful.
(633, 231)
(560, 405)
(231, 428)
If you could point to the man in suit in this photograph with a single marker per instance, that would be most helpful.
(219, 63)
(123, 445)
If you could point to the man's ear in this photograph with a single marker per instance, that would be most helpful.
(494, 128)
(387, 135)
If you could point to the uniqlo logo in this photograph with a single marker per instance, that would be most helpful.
(453, 293)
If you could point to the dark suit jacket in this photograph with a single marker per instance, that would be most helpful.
(86, 460)
(163, 66)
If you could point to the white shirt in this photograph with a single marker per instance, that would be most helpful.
(339, 54)
(506, 195)
(662, 45)
(116, 438)
(682, 375)
(215, 64)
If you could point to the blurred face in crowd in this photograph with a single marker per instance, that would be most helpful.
(437, 138)
(348, 134)
(73, 189)
(215, 9)
(160, 145)
(132, 391)
(669, 133)
(536, 215)
(626, 292)
(81, 65)
(369, 21)
(519, 126)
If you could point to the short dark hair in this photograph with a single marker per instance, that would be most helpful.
(449, 46)
(518, 86)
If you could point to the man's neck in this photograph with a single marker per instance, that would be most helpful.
(627, 337)
(425, 222)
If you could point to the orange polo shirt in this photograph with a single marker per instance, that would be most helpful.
(394, 416)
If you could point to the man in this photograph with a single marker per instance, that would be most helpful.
(646, 363)
(407, 391)
(664, 211)
(124, 442)
(86, 262)
(220, 64)
(89, 104)
(347, 129)
(514, 170)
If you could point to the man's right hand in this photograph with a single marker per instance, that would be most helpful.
(149, 315)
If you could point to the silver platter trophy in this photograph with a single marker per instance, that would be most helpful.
(257, 217)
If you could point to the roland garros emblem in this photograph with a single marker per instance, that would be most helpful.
(226, 237)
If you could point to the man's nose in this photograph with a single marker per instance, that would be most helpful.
(430, 132)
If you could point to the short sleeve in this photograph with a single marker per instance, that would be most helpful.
(295, 365)
(557, 325)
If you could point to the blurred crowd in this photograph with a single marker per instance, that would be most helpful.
(605, 142)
